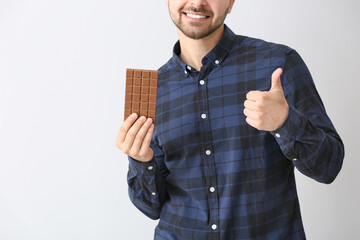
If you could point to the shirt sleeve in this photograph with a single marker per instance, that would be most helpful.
(146, 184)
(308, 137)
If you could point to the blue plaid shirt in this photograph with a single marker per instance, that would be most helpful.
(213, 176)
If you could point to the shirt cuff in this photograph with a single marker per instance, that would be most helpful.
(287, 133)
(146, 168)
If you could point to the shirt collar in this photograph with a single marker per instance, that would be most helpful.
(216, 56)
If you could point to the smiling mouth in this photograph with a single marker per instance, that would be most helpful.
(196, 16)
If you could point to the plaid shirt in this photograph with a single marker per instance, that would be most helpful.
(213, 176)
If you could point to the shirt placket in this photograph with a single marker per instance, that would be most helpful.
(207, 152)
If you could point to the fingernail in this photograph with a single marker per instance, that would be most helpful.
(133, 116)
(149, 120)
(142, 118)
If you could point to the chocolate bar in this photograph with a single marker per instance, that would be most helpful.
(140, 93)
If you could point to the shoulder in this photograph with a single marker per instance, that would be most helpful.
(170, 71)
(167, 66)
(256, 44)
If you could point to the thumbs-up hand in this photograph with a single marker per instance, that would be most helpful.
(267, 110)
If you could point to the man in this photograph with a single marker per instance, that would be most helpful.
(234, 116)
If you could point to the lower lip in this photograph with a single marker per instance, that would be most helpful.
(195, 19)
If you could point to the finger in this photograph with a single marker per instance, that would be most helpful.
(125, 127)
(251, 105)
(131, 134)
(249, 113)
(253, 95)
(138, 141)
(251, 122)
(276, 81)
(147, 139)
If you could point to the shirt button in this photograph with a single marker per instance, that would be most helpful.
(213, 226)
(277, 135)
(212, 189)
(150, 167)
(294, 159)
(185, 72)
(208, 152)
(153, 193)
(202, 82)
(216, 62)
(188, 67)
(203, 116)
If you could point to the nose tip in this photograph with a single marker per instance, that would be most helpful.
(197, 2)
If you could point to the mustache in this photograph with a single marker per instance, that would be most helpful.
(200, 9)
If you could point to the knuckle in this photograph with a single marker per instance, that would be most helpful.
(132, 153)
(151, 130)
(126, 151)
(138, 123)
(138, 138)
(246, 102)
(141, 154)
(123, 128)
(122, 132)
(248, 95)
(148, 136)
(131, 134)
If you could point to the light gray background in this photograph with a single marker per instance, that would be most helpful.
(62, 73)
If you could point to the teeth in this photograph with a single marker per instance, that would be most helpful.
(195, 16)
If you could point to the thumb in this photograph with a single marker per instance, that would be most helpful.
(275, 80)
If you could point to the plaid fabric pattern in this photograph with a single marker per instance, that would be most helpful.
(214, 176)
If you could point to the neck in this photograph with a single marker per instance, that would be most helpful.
(192, 51)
